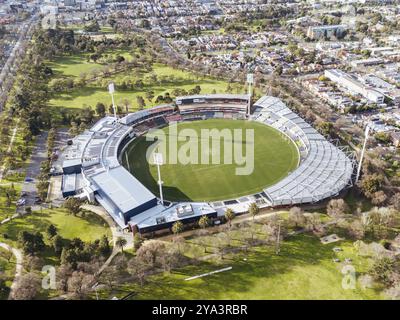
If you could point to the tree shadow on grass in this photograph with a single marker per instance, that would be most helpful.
(40, 221)
(78, 93)
(261, 263)
(32, 223)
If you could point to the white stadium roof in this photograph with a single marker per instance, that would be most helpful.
(324, 170)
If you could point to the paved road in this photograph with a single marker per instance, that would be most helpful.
(8, 70)
(39, 154)
(18, 268)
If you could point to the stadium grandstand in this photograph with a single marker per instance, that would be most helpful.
(91, 165)
(324, 168)
(226, 106)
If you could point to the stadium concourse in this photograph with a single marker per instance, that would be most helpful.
(91, 164)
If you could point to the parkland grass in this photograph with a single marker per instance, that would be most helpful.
(7, 269)
(88, 228)
(73, 66)
(303, 270)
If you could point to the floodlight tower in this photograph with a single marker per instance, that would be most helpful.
(158, 160)
(250, 82)
(111, 90)
(367, 128)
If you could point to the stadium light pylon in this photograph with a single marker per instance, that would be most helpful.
(367, 128)
(111, 90)
(250, 82)
(158, 160)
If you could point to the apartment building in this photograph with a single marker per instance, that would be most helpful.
(320, 32)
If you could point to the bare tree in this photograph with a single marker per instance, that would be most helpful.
(381, 219)
(201, 239)
(109, 276)
(337, 208)
(221, 244)
(313, 221)
(378, 198)
(393, 292)
(395, 201)
(251, 232)
(179, 242)
(268, 232)
(139, 268)
(356, 230)
(126, 103)
(170, 259)
(150, 251)
(32, 263)
(121, 263)
(27, 287)
(79, 284)
(63, 274)
(366, 281)
(296, 217)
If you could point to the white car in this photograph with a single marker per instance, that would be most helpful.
(21, 202)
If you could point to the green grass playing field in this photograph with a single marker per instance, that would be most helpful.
(274, 157)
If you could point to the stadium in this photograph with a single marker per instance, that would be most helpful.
(293, 163)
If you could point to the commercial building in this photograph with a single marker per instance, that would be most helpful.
(366, 62)
(354, 86)
(387, 89)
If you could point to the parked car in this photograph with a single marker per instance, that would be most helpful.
(21, 202)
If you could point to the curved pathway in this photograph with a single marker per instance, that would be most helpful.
(115, 230)
(116, 233)
(18, 268)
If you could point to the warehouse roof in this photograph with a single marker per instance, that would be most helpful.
(123, 189)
